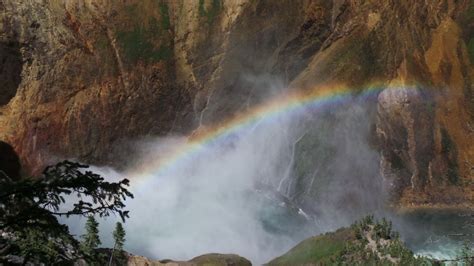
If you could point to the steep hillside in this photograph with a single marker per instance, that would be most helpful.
(80, 78)
(367, 242)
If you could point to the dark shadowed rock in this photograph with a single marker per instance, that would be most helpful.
(9, 161)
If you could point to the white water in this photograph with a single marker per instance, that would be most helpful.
(209, 202)
(206, 204)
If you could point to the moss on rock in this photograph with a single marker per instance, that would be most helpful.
(220, 260)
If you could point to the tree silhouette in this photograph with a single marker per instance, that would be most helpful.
(91, 239)
(28, 205)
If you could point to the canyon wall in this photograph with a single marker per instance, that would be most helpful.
(81, 78)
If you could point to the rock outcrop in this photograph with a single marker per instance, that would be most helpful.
(366, 242)
(81, 77)
(207, 259)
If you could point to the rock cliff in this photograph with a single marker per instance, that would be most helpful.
(81, 77)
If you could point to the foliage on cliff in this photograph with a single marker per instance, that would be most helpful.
(366, 242)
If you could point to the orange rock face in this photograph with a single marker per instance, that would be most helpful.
(79, 78)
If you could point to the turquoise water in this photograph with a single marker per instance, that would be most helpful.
(438, 234)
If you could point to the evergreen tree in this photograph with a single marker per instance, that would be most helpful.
(467, 254)
(29, 209)
(119, 236)
(91, 239)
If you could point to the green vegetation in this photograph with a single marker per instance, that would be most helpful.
(469, 40)
(466, 255)
(448, 147)
(102, 42)
(389, 247)
(470, 12)
(470, 49)
(165, 16)
(383, 230)
(146, 38)
(356, 55)
(366, 242)
(29, 209)
(105, 52)
(91, 240)
(31, 245)
(138, 47)
(220, 259)
(212, 12)
(119, 237)
(322, 249)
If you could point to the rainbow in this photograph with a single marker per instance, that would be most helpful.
(317, 98)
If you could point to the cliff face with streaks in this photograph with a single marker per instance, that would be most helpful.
(80, 77)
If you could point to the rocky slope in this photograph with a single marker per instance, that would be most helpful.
(366, 242)
(207, 259)
(212, 259)
(79, 78)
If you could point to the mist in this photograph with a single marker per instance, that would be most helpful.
(240, 194)
(209, 203)
(255, 192)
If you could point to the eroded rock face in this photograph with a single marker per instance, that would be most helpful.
(90, 78)
(87, 75)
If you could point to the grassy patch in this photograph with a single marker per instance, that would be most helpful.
(220, 259)
(137, 46)
(165, 17)
(145, 38)
(470, 49)
(212, 12)
(322, 249)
